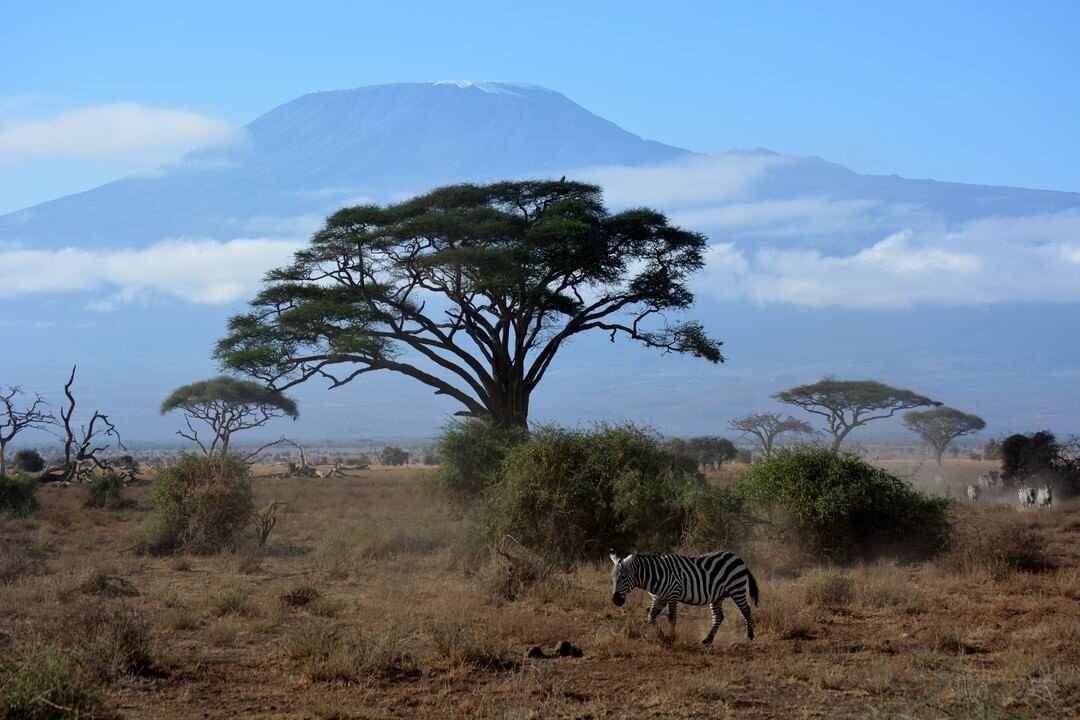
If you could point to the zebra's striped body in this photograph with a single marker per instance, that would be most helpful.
(693, 580)
(1026, 496)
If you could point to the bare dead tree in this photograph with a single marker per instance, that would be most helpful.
(82, 449)
(13, 420)
(767, 427)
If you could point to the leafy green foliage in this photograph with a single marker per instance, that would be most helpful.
(509, 265)
(844, 506)
(29, 460)
(571, 494)
(941, 425)
(472, 452)
(199, 505)
(17, 495)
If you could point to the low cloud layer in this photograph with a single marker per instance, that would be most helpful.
(1013, 260)
(196, 271)
(124, 131)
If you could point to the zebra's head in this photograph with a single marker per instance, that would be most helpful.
(621, 577)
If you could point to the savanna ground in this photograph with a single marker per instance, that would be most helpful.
(363, 605)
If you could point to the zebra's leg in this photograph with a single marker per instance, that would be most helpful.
(671, 615)
(717, 617)
(744, 608)
(654, 609)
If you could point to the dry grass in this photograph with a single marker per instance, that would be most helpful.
(360, 600)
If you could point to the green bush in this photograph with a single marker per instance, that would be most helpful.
(471, 453)
(846, 507)
(572, 494)
(29, 460)
(17, 495)
(200, 506)
(105, 491)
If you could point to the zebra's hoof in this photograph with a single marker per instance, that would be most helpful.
(707, 641)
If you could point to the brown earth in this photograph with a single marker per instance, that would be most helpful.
(383, 618)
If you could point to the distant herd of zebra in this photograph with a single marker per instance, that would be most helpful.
(1027, 496)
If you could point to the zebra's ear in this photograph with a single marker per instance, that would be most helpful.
(614, 556)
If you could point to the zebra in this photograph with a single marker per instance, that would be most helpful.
(1026, 495)
(693, 580)
(973, 492)
(1045, 496)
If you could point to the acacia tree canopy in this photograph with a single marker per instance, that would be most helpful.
(941, 425)
(767, 427)
(226, 405)
(848, 404)
(471, 290)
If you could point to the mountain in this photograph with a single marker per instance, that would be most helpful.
(962, 292)
(312, 154)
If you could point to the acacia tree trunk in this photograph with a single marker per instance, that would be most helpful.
(3, 458)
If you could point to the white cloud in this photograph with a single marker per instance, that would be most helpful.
(125, 131)
(695, 181)
(996, 260)
(198, 271)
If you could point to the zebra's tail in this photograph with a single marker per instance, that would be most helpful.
(753, 586)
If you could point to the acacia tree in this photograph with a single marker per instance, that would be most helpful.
(941, 425)
(83, 446)
(767, 427)
(471, 290)
(848, 404)
(707, 451)
(226, 405)
(14, 420)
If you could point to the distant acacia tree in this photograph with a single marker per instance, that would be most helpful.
(848, 404)
(471, 290)
(707, 451)
(992, 450)
(767, 427)
(14, 419)
(226, 405)
(941, 425)
(393, 456)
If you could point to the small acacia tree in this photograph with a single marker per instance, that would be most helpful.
(14, 420)
(848, 404)
(767, 427)
(941, 425)
(226, 405)
(471, 290)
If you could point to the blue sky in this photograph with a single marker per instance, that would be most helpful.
(981, 92)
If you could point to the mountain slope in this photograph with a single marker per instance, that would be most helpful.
(314, 153)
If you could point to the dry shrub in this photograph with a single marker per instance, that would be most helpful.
(231, 601)
(300, 595)
(265, 520)
(512, 570)
(996, 543)
(328, 655)
(784, 614)
(885, 585)
(224, 632)
(200, 505)
(99, 582)
(400, 543)
(105, 491)
(476, 644)
(21, 558)
(179, 618)
(829, 588)
(248, 560)
(46, 684)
